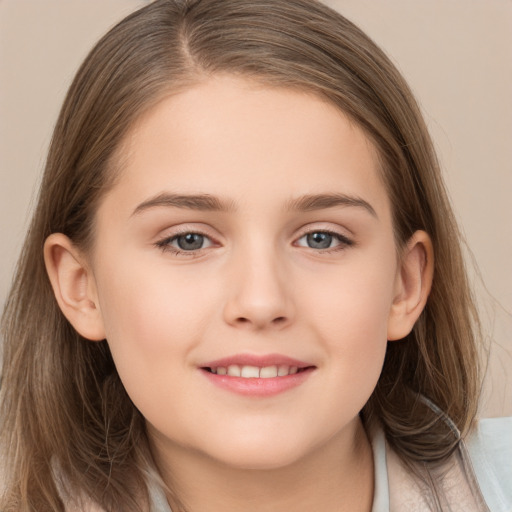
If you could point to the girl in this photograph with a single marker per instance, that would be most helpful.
(243, 287)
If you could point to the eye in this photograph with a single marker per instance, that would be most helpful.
(322, 240)
(185, 242)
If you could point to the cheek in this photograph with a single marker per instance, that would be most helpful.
(149, 305)
(353, 303)
(153, 320)
(351, 319)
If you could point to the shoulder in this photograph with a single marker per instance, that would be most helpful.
(490, 451)
(484, 459)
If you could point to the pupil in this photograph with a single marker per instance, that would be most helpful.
(319, 240)
(190, 241)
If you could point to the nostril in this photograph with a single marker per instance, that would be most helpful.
(276, 321)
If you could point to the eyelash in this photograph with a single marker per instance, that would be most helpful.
(165, 243)
(344, 242)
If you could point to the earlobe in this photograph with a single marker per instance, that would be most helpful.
(413, 284)
(74, 286)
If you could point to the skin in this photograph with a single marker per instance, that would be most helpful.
(255, 287)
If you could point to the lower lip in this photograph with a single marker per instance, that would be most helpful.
(256, 386)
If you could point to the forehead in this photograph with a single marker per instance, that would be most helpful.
(229, 135)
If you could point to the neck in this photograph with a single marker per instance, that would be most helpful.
(336, 477)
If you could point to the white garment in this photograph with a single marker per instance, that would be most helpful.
(490, 449)
(490, 459)
(486, 455)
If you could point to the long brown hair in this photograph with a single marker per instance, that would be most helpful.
(62, 403)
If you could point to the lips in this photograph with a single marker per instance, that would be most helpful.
(257, 375)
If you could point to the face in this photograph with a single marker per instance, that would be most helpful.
(245, 270)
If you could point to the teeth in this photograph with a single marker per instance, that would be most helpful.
(250, 372)
(268, 372)
(254, 372)
(283, 370)
(234, 370)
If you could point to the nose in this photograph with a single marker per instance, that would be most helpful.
(258, 293)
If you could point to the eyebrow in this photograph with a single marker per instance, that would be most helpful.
(202, 202)
(207, 202)
(313, 202)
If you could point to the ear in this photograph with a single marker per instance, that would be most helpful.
(412, 286)
(74, 286)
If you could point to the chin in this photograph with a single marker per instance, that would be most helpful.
(259, 461)
(261, 455)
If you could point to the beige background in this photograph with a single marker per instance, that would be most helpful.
(456, 54)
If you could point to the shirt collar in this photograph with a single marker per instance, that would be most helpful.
(381, 483)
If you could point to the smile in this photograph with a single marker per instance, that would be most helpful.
(257, 375)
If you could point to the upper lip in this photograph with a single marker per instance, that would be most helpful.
(256, 360)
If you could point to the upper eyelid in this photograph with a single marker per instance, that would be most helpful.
(302, 231)
(175, 231)
(341, 232)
